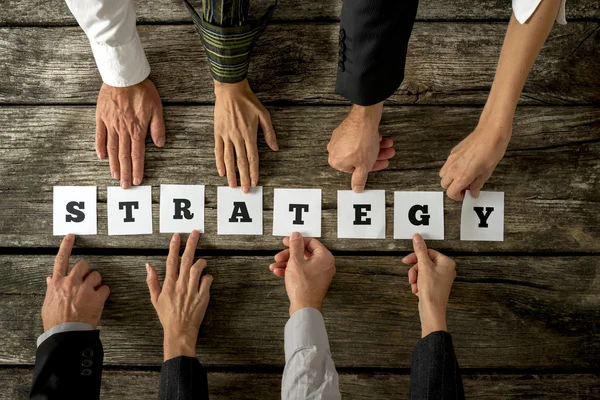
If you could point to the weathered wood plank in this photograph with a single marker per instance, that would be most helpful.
(448, 63)
(131, 384)
(55, 12)
(504, 312)
(551, 173)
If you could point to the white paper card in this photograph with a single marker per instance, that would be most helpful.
(361, 215)
(74, 210)
(239, 213)
(297, 210)
(181, 208)
(129, 210)
(482, 218)
(419, 212)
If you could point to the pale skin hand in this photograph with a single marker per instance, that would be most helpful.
(238, 114)
(356, 146)
(430, 280)
(76, 296)
(182, 301)
(123, 117)
(473, 161)
(308, 268)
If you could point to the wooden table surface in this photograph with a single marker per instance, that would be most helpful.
(524, 313)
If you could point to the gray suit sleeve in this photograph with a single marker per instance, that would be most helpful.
(309, 370)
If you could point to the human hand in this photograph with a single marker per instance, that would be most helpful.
(308, 268)
(123, 116)
(238, 113)
(356, 146)
(77, 296)
(472, 161)
(181, 303)
(430, 280)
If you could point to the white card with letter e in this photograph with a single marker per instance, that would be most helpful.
(297, 210)
(361, 215)
(483, 218)
(239, 213)
(129, 210)
(74, 210)
(419, 212)
(181, 208)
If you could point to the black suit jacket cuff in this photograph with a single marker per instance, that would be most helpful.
(183, 378)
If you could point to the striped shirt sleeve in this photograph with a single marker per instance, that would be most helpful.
(228, 36)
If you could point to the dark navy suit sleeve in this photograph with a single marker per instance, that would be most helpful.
(183, 378)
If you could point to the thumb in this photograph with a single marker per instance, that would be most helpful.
(153, 285)
(421, 250)
(296, 247)
(268, 130)
(359, 179)
(157, 127)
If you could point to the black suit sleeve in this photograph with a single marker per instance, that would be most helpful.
(372, 48)
(434, 372)
(183, 378)
(68, 366)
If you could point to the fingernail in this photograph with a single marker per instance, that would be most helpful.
(148, 269)
(124, 184)
(70, 236)
(175, 238)
(97, 154)
(232, 184)
(160, 142)
(115, 175)
(137, 181)
(245, 189)
(254, 182)
(417, 238)
(275, 147)
(295, 235)
(221, 172)
(358, 188)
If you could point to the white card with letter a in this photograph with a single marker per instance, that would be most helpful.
(129, 210)
(74, 210)
(419, 212)
(482, 218)
(181, 208)
(239, 213)
(361, 215)
(297, 210)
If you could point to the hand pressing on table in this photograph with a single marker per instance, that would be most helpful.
(430, 280)
(182, 301)
(238, 114)
(123, 117)
(356, 146)
(308, 268)
(76, 296)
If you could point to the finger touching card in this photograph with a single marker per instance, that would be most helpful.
(483, 218)
(74, 210)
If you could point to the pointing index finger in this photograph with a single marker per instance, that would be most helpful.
(61, 262)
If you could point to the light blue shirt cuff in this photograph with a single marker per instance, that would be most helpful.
(65, 327)
(305, 329)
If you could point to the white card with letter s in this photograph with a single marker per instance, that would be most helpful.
(483, 218)
(361, 215)
(181, 208)
(297, 210)
(419, 212)
(239, 213)
(129, 210)
(74, 210)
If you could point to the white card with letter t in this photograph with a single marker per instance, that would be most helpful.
(129, 210)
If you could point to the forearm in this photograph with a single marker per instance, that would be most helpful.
(309, 371)
(110, 26)
(522, 44)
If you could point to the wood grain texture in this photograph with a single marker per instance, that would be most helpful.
(143, 385)
(504, 312)
(550, 173)
(447, 63)
(55, 12)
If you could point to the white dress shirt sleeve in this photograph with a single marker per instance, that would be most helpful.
(65, 327)
(524, 9)
(309, 370)
(110, 27)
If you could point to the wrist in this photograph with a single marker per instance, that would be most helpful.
(295, 306)
(372, 112)
(177, 346)
(222, 88)
(433, 318)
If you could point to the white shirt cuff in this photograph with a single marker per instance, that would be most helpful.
(124, 65)
(65, 327)
(524, 9)
(305, 329)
